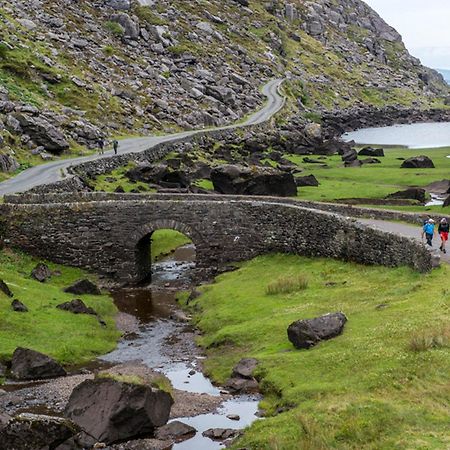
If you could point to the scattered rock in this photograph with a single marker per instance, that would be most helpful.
(8, 163)
(77, 306)
(35, 432)
(369, 151)
(5, 289)
(114, 411)
(83, 287)
(309, 332)
(410, 194)
(242, 379)
(233, 417)
(370, 161)
(41, 273)
(175, 431)
(220, 434)
(28, 364)
(418, 162)
(18, 306)
(309, 180)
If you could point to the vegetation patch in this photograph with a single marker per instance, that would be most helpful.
(69, 338)
(164, 242)
(366, 389)
(287, 285)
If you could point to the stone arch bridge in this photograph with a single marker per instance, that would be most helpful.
(110, 233)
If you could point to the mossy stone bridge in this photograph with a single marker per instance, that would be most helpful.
(110, 233)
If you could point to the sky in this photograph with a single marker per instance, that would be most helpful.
(424, 26)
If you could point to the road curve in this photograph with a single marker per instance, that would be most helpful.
(55, 170)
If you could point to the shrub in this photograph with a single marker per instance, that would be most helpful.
(428, 340)
(114, 28)
(287, 285)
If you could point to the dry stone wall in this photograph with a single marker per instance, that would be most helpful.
(111, 235)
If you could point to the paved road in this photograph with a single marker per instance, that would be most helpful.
(54, 171)
(410, 231)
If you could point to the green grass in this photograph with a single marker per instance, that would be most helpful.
(373, 180)
(69, 338)
(165, 242)
(366, 389)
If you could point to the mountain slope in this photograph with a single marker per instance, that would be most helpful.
(76, 70)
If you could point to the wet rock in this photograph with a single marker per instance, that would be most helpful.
(18, 306)
(114, 411)
(41, 273)
(28, 364)
(83, 287)
(309, 332)
(239, 180)
(369, 151)
(77, 306)
(233, 417)
(309, 180)
(35, 432)
(418, 162)
(220, 434)
(411, 194)
(5, 289)
(176, 431)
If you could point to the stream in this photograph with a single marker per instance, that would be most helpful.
(162, 340)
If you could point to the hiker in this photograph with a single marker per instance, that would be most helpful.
(443, 233)
(101, 146)
(428, 231)
(115, 146)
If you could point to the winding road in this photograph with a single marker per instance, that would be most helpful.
(56, 170)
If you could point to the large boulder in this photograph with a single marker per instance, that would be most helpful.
(41, 273)
(35, 432)
(43, 133)
(239, 180)
(418, 162)
(5, 289)
(8, 163)
(309, 332)
(28, 364)
(369, 151)
(308, 180)
(130, 27)
(175, 431)
(83, 287)
(77, 306)
(148, 173)
(112, 411)
(410, 194)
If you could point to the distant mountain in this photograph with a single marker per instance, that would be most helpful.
(445, 73)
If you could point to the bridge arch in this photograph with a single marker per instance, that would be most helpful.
(143, 239)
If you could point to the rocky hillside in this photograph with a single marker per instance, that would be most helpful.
(72, 70)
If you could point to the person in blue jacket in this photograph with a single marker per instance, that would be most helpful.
(428, 231)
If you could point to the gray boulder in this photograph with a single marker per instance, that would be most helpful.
(239, 180)
(8, 163)
(446, 202)
(121, 5)
(18, 306)
(83, 287)
(369, 151)
(410, 194)
(175, 431)
(242, 380)
(309, 332)
(77, 306)
(418, 162)
(131, 28)
(43, 133)
(112, 411)
(28, 364)
(220, 434)
(35, 432)
(309, 180)
(41, 273)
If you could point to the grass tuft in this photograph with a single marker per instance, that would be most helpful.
(287, 285)
(428, 340)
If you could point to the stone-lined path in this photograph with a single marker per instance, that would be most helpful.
(410, 231)
(55, 171)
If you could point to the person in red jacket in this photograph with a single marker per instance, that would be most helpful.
(443, 233)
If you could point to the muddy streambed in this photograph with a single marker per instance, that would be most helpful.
(158, 337)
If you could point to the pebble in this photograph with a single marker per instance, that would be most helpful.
(233, 417)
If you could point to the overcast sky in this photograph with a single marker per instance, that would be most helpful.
(424, 25)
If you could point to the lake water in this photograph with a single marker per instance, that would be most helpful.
(419, 135)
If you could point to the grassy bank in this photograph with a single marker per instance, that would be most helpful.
(67, 337)
(383, 384)
(165, 242)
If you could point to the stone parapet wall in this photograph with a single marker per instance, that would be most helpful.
(113, 237)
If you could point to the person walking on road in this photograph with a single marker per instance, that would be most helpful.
(443, 233)
(101, 146)
(428, 231)
(115, 146)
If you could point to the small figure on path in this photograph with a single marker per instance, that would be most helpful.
(443, 233)
(101, 146)
(428, 231)
(115, 146)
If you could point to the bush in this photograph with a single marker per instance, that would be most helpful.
(439, 338)
(114, 28)
(287, 285)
